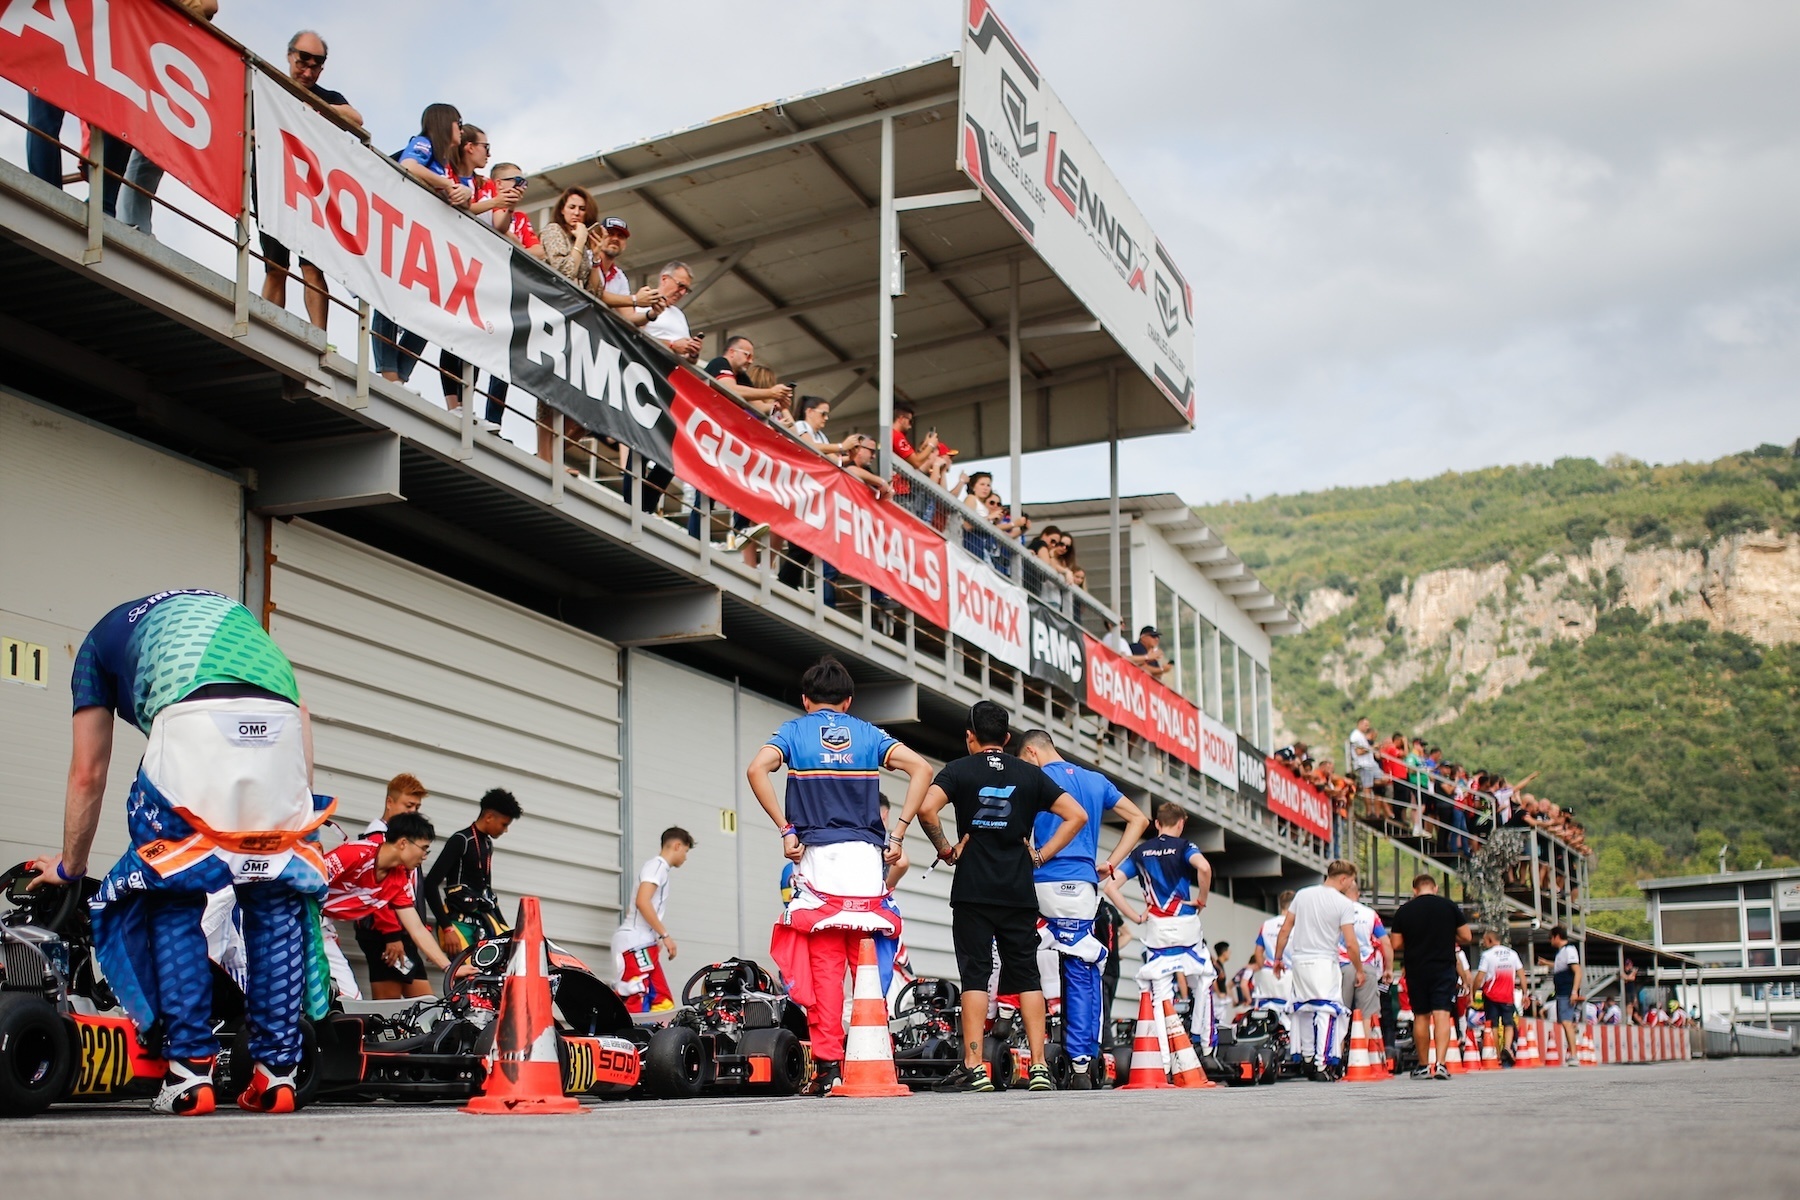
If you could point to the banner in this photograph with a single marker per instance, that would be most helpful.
(753, 469)
(432, 269)
(1058, 649)
(1027, 155)
(580, 359)
(1252, 774)
(1298, 801)
(1218, 753)
(1119, 691)
(140, 70)
(988, 611)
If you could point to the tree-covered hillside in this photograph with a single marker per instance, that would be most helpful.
(1668, 739)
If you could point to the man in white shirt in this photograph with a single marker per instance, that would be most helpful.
(1319, 919)
(642, 938)
(1362, 754)
(670, 327)
(1378, 959)
(1499, 979)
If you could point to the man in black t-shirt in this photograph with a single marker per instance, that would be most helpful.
(992, 898)
(1426, 932)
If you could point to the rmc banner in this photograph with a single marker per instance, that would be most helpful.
(1027, 155)
(140, 70)
(1058, 649)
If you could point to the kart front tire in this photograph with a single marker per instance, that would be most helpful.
(672, 1064)
(999, 1058)
(37, 1055)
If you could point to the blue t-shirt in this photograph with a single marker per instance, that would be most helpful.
(148, 654)
(1096, 795)
(1164, 868)
(834, 763)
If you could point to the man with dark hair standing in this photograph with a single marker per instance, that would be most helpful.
(1068, 892)
(993, 903)
(1426, 932)
(460, 885)
(1565, 976)
(831, 829)
(642, 938)
(372, 887)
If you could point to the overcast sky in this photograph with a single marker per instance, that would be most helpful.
(1421, 236)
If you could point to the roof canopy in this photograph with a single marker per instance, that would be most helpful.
(777, 209)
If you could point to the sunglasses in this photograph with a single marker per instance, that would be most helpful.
(309, 60)
(518, 181)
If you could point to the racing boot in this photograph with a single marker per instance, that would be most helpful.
(827, 1075)
(187, 1089)
(269, 1092)
(966, 1079)
(1038, 1079)
(1082, 1078)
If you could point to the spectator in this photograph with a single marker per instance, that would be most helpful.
(606, 242)
(306, 55)
(670, 326)
(1378, 958)
(732, 370)
(485, 199)
(434, 158)
(979, 487)
(1565, 978)
(137, 204)
(565, 238)
(1114, 640)
(904, 451)
(814, 412)
(1362, 755)
(1146, 652)
(43, 151)
(1628, 987)
(1499, 977)
(1609, 1011)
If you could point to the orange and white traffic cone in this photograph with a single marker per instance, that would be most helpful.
(524, 1074)
(1585, 1054)
(1184, 1063)
(868, 1049)
(1359, 1067)
(1553, 1047)
(1490, 1054)
(1471, 1051)
(1453, 1056)
(1147, 1070)
(1525, 1048)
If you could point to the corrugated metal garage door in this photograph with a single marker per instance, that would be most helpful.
(92, 519)
(405, 670)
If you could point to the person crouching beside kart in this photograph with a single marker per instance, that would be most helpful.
(222, 799)
(1176, 880)
(831, 829)
(371, 884)
(642, 938)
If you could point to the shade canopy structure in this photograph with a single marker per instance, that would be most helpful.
(782, 211)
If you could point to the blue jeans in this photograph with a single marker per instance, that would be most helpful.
(137, 208)
(43, 157)
(394, 350)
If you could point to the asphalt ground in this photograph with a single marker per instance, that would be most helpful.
(1716, 1130)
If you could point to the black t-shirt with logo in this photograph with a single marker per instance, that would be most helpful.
(996, 797)
(1427, 926)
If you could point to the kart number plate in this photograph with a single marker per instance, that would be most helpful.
(105, 1058)
(592, 1061)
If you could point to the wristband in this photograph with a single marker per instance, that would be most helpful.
(64, 877)
(789, 831)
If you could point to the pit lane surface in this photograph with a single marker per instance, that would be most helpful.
(1716, 1129)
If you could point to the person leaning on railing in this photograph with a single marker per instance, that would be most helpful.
(434, 158)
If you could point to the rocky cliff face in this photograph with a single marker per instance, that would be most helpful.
(1481, 626)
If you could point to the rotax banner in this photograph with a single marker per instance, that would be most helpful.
(987, 610)
(753, 469)
(140, 70)
(434, 270)
(1120, 691)
(1298, 801)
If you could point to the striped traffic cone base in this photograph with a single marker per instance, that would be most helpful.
(1358, 1066)
(1184, 1063)
(868, 1068)
(1147, 1070)
(524, 1074)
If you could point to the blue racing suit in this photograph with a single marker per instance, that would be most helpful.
(1068, 896)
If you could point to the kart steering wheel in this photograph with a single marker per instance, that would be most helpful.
(36, 903)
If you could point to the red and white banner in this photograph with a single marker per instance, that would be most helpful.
(1218, 752)
(752, 469)
(326, 196)
(988, 611)
(143, 71)
(1298, 801)
(1119, 691)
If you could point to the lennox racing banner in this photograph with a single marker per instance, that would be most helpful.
(434, 270)
(143, 71)
(1025, 152)
(987, 610)
(752, 469)
(1119, 691)
(1298, 801)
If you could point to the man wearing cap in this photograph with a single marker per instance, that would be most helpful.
(1147, 653)
(607, 280)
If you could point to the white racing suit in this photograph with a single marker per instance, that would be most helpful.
(1076, 964)
(1176, 945)
(1321, 1022)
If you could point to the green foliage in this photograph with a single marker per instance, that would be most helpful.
(1664, 739)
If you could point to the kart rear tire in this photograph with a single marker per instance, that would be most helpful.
(672, 1064)
(999, 1058)
(1268, 1066)
(1062, 1067)
(37, 1055)
(787, 1058)
(230, 1082)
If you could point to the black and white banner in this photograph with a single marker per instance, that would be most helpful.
(1057, 653)
(1252, 773)
(581, 360)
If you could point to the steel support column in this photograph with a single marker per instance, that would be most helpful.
(1015, 399)
(890, 243)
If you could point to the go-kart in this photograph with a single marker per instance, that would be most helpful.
(927, 1029)
(1251, 1050)
(64, 1038)
(735, 1029)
